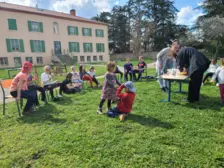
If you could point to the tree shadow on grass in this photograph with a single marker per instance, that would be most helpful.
(65, 100)
(149, 121)
(206, 102)
(42, 115)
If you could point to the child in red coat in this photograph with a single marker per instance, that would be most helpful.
(124, 106)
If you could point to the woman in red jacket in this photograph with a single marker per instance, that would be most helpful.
(124, 106)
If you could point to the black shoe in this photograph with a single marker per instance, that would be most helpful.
(163, 89)
(166, 88)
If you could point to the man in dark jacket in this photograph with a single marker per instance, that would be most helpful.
(196, 64)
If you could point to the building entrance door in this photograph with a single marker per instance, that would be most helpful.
(57, 47)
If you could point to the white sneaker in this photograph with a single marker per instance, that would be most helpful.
(202, 84)
(60, 96)
(99, 111)
(217, 84)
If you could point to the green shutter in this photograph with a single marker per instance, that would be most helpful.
(83, 31)
(12, 24)
(78, 47)
(21, 45)
(69, 33)
(96, 33)
(32, 46)
(43, 46)
(97, 47)
(70, 46)
(41, 27)
(84, 47)
(90, 32)
(91, 47)
(77, 31)
(8, 44)
(102, 33)
(103, 48)
(30, 25)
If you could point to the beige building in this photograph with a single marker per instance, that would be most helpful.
(41, 36)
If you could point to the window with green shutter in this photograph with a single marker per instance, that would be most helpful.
(99, 47)
(29, 59)
(73, 47)
(12, 24)
(35, 26)
(73, 30)
(15, 45)
(86, 31)
(99, 33)
(37, 45)
(88, 47)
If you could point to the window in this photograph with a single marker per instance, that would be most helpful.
(88, 47)
(56, 28)
(15, 45)
(4, 61)
(82, 58)
(12, 24)
(99, 47)
(75, 58)
(35, 26)
(37, 45)
(89, 58)
(99, 33)
(73, 47)
(73, 30)
(29, 59)
(86, 31)
(17, 61)
(94, 58)
(39, 60)
(101, 58)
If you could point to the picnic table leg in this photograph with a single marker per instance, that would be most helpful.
(180, 87)
(169, 91)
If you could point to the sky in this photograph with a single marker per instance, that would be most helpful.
(88, 8)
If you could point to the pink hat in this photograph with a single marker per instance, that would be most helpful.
(27, 66)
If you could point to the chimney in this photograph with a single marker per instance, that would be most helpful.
(73, 12)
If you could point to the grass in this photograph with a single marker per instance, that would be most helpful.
(69, 133)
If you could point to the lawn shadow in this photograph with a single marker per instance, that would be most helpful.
(149, 121)
(206, 102)
(65, 100)
(42, 115)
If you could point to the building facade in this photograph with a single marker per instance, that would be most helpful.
(37, 35)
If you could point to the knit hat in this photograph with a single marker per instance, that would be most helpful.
(130, 86)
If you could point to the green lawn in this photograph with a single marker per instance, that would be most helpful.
(69, 133)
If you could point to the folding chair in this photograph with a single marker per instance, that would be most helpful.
(5, 86)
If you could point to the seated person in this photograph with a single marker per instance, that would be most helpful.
(19, 88)
(118, 71)
(48, 84)
(128, 69)
(85, 76)
(92, 73)
(68, 87)
(211, 71)
(75, 76)
(124, 106)
(141, 67)
(33, 86)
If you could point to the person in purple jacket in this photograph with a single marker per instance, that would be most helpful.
(128, 70)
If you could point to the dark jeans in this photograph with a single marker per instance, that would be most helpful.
(210, 74)
(119, 72)
(130, 73)
(70, 91)
(114, 112)
(102, 102)
(41, 90)
(195, 86)
(95, 80)
(51, 88)
(30, 95)
(139, 72)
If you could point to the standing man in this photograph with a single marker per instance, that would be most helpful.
(196, 63)
(165, 59)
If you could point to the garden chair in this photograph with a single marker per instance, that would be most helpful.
(5, 87)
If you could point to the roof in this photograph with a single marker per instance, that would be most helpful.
(35, 11)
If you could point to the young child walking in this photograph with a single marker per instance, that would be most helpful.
(109, 87)
(124, 106)
(219, 73)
